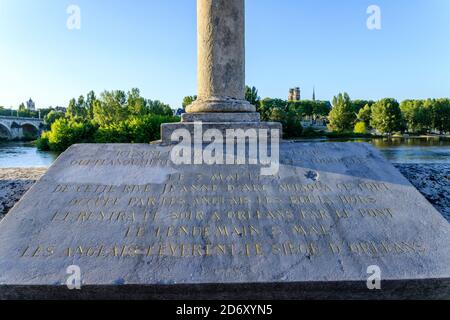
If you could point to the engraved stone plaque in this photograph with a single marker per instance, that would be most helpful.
(139, 226)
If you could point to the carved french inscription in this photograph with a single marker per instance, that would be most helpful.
(221, 212)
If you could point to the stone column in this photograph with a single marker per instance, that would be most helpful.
(221, 57)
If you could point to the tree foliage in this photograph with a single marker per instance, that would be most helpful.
(359, 104)
(251, 95)
(266, 106)
(188, 101)
(115, 116)
(440, 115)
(365, 114)
(342, 116)
(387, 116)
(51, 117)
(360, 127)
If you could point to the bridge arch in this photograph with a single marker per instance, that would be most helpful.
(30, 130)
(5, 133)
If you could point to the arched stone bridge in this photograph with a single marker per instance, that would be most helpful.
(18, 128)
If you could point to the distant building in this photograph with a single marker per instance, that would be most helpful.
(294, 94)
(31, 106)
(314, 94)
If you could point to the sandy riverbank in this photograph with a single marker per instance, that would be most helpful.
(432, 180)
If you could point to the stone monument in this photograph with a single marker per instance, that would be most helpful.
(221, 100)
(125, 221)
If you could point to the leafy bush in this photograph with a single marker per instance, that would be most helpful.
(148, 128)
(65, 132)
(43, 142)
(51, 117)
(360, 127)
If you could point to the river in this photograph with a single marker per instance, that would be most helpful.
(424, 150)
(24, 155)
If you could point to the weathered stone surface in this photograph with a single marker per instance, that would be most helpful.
(221, 117)
(168, 128)
(432, 180)
(139, 226)
(14, 182)
(221, 57)
(220, 104)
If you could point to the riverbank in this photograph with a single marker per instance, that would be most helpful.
(432, 180)
(14, 183)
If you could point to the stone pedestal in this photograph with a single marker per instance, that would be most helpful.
(137, 224)
(221, 117)
(218, 121)
(139, 227)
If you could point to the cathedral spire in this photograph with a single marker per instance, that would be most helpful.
(314, 93)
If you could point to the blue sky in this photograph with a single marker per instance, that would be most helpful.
(151, 44)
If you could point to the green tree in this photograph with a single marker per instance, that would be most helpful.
(292, 127)
(45, 112)
(90, 100)
(277, 115)
(266, 106)
(441, 115)
(23, 111)
(188, 101)
(365, 114)
(418, 115)
(387, 116)
(251, 95)
(110, 108)
(321, 108)
(360, 127)
(137, 105)
(71, 108)
(77, 109)
(342, 116)
(156, 107)
(52, 116)
(359, 104)
(304, 109)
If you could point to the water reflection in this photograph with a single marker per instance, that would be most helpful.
(415, 150)
(401, 150)
(408, 150)
(24, 155)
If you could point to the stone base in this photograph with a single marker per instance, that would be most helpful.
(168, 128)
(138, 226)
(425, 289)
(221, 117)
(220, 105)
